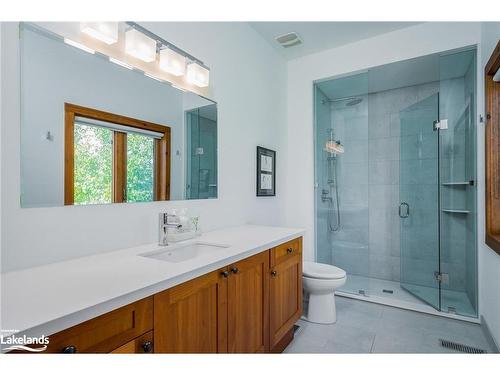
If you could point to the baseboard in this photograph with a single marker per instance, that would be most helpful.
(488, 335)
(284, 342)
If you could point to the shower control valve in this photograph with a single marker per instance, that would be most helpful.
(325, 196)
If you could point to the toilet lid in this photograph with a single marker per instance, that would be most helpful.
(322, 271)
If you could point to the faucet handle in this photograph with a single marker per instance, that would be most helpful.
(169, 219)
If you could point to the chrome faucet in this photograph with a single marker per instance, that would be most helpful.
(166, 221)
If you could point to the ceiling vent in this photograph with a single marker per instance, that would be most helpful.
(289, 39)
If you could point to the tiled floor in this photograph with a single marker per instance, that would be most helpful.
(364, 327)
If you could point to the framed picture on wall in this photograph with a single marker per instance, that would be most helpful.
(266, 172)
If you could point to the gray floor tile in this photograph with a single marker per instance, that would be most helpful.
(364, 327)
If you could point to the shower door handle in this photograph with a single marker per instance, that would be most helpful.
(406, 212)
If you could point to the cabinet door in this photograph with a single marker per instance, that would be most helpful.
(248, 305)
(106, 332)
(192, 317)
(285, 297)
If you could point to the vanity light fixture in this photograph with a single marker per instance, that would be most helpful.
(106, 32)
(121, 63)
(79, 45)
(172, 62)
(198, 75)
(140, 45)
(172, 59)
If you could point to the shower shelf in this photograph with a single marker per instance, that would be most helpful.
(458, 183)
(455, 211)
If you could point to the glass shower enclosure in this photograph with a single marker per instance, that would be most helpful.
(201, 149)
(396, 207)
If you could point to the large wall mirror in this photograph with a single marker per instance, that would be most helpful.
(95, 132)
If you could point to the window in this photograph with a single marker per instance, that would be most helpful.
(111, 158)
(93, 158)
(492, 98)
(140, 168)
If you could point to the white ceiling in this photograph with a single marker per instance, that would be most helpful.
(318, 36)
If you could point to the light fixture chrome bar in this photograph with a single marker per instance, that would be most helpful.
(165, 43)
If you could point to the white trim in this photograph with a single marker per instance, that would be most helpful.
(489, 336)
(408, 306)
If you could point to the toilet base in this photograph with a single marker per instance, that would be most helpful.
(321, 309)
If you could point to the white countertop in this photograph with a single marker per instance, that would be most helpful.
(53, 297)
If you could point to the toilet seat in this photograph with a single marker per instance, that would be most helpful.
(322, 271)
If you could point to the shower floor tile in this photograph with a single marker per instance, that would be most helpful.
(364, 327)
(375, 288)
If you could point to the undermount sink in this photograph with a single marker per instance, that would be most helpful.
(184, 252)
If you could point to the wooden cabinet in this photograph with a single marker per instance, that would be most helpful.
(106, 332)
(248, 305)
(224, 311)
(285, 251)
(192, 317)
(285, 291)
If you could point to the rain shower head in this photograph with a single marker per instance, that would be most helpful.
(353, 102)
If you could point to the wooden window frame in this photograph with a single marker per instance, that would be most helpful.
(161, 152)
(492, 151)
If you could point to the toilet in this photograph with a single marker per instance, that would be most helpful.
(320, 282)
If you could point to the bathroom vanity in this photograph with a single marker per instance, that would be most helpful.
(241, 298)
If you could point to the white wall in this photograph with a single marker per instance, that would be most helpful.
(489, 261)
(249, 84)
(398, 45)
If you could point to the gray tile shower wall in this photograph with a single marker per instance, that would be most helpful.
(368, 243)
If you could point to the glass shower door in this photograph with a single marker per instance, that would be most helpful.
(419, 200)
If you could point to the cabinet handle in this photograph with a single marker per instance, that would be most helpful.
(274, 273)
(71, 349)
(289, 250)
(234, 270)
(224, 274)
(147, 347)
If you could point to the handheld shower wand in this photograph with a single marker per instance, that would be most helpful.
(333, 148)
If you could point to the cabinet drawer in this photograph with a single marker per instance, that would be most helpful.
(142, 344)
(284, 251)
(106, 332)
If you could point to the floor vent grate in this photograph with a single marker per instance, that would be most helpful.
(460, 347)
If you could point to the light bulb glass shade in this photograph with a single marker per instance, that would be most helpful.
(334, 147)
(140, 46)
(106, 32)
(198, 75)
(172, 62)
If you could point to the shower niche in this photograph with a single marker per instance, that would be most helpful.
(395, 171)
